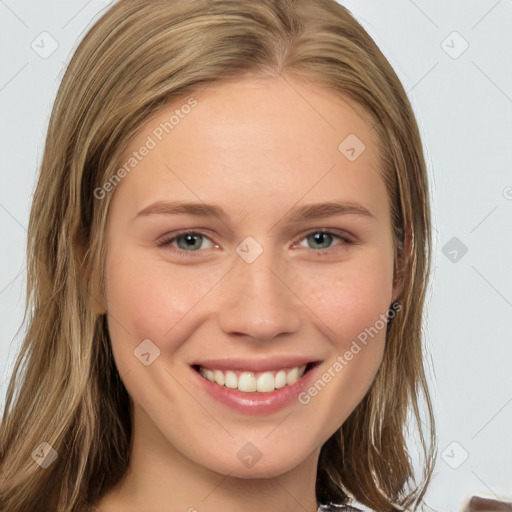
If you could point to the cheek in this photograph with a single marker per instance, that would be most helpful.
(348, 297)
(148, 298)
(349, 301)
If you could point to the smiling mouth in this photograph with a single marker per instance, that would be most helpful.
(250, 381)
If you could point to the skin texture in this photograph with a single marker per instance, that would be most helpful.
(258, 148)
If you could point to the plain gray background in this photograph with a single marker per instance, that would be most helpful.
(454, 61)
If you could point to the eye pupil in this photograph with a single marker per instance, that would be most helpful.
(322, 238)
(190, 240)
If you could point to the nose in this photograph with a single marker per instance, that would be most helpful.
(259, 300)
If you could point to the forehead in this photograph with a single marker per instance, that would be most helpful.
(249, 140)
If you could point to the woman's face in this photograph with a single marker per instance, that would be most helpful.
(255, 290)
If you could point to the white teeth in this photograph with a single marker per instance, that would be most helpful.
(231, 380)
(292, 376)
(219, 377)
(265, 382)
(248, 382)
(280, 379)
(209, 375)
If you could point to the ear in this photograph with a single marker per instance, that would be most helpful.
(402, 263)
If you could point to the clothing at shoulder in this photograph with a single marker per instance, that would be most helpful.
(337, 508)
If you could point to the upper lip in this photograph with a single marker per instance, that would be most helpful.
(256, 365)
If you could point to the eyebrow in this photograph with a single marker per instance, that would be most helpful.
(305, 212)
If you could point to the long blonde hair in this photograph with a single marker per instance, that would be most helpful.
(65, 389)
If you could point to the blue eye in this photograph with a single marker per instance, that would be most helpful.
(187, 242)
(190, 243)
(324, 239)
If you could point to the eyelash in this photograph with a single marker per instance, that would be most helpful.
(167, 241)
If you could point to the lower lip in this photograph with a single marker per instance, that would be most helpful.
(256, 403)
